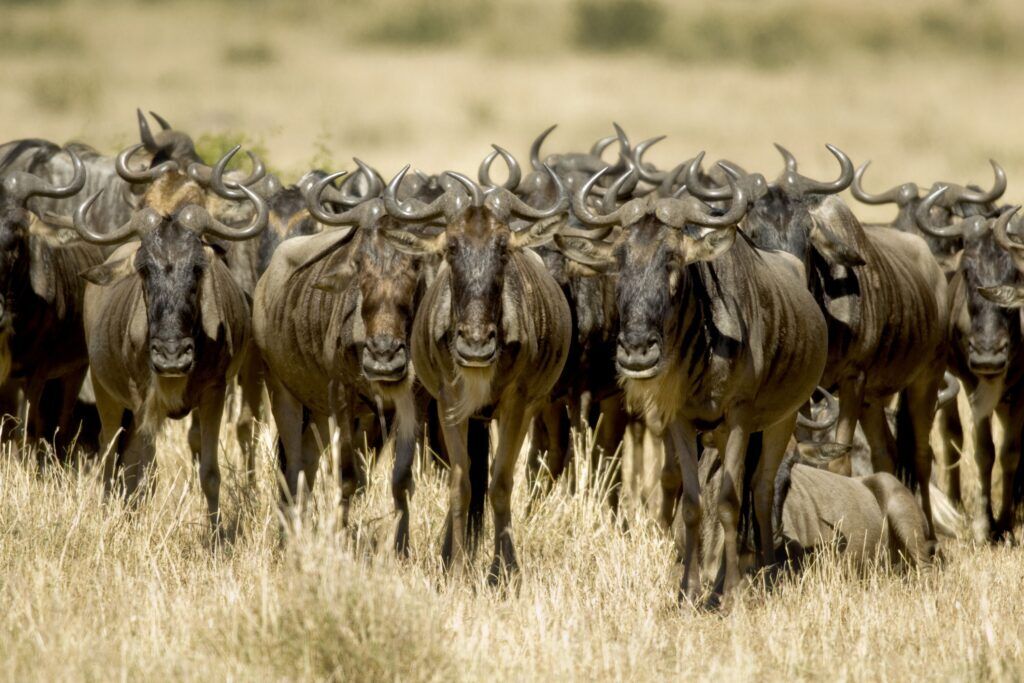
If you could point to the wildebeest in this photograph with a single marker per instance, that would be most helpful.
(166, 328)
(490, 336)
(955, 201)
(41, 337)
(333, 317)
(868, 518)
(714, 336)
(987, 350)
(587, 386)
(884, 298)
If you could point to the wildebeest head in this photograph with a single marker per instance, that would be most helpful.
(387, 280)
(167, 144)
(18, 265)
(477, 242)
(174, 264)
(656, 240)
(992, 270)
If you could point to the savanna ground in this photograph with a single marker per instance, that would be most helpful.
(89, 590)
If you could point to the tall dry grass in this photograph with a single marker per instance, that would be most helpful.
(91, 590)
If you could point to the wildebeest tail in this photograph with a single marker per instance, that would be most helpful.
(479, 447)
(753, 457)
(783, 480)
(905, 445)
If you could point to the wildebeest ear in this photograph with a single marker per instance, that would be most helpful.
(832, 247)
(109, 272)
(594, 254)
(414, 245)
(306, 250)
(211, 305)
(709, 246)
(1006, 296)
(40, 269)
(537, 234)
(337, 278)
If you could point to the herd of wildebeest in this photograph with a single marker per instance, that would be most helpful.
(749, 325)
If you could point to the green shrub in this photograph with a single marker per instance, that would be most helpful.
(616, 24)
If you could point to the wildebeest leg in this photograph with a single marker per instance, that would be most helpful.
(402, 485)
(614, 419)
(110, 412)
(773, 448)
(851, 401)
(453, 552)
(211, 411)
(1011, 417)
(315, 439)
(984, 458)
(952, 445)
(730, 496)
(684, 444)
(351, 473)
(512, 423)
(671, 484)
(288, 416)
(879, 436)
(250, 378)
(195, 435)
(138, 456)
(921, 397)
(538, 474)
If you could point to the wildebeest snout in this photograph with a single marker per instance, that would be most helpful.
(988, 358)
(477, 345)
(172, 357)
(638, 354)
(385, 358)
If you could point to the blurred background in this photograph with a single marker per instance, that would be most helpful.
(926, 89)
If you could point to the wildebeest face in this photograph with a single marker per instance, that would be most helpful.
(477, 251)
(171, 261)
(14, 257)
(388, 284)
(986, 266)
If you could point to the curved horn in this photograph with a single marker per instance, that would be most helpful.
(1001, 231)
(997, 190)
(514, 172)
(697, 189)
(831, 417)
(145, 134)
(584, 213)
(615, 190)
(199, 219)
(342, 195)
(805, 185)
(677, 213)
(230, 189)
(476, 194)
(598, 148)
(314, 201)
(949, 391)
(161, 120)
(651, 174)
(403, 213)
(625, 150)
(858, 191)
(147, 175)
(22, 186)
(535, 161)
(922, 216)
(136, 225)
(561, 203)
(788, 157)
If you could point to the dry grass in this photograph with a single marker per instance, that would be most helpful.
(94, 591)
(89, 590)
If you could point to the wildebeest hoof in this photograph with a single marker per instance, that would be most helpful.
(502, 573)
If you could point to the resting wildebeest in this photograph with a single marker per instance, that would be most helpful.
(884, 298)
(714, 336)
(166, 327)
(332, 317)
(866, 518)
(987, 351)
(41, 337)
(490, 336)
